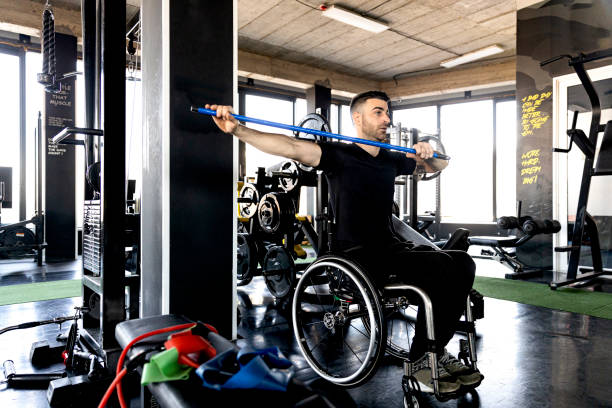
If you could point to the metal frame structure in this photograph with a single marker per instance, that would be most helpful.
(585, 223)
(104, 63)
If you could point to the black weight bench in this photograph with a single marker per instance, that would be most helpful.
(529, 228)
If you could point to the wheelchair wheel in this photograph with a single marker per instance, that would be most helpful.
(332, 301)
(411, 401)
(400, 320)
(400, 325)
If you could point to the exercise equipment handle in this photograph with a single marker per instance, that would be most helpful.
(317, 132)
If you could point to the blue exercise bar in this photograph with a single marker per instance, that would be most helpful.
(316, 132)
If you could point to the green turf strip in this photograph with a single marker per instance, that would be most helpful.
(33, 292)
(596, 304)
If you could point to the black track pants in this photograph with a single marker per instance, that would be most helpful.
(446, 277)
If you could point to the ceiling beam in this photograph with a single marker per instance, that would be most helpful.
(485, 75)
(299, 75)
(25, 17)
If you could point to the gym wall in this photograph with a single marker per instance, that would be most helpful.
(544, 31)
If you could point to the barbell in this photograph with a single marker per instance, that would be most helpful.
(243, 118)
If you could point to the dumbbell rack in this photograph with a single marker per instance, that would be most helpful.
(585, 223)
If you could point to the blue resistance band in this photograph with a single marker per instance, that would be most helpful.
(264, 369)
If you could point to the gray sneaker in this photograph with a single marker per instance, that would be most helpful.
(465, 375)
(446, 382)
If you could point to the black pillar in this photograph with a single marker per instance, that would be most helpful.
(59, 112)
(196, 162)
(318, 100)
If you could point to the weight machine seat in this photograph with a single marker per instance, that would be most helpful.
(494, 241)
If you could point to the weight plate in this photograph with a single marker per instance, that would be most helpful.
(275, 213)
(437, 145)
(292, 180)
(250, 195)
(313, 121)
(93, 176)
(279, 271)
(247, 258)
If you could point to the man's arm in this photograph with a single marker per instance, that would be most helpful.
(305, 152)
(425, 162)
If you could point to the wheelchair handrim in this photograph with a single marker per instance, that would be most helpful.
(354, 378)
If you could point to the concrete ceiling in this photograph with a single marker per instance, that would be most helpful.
(291, 41)
(423, 33)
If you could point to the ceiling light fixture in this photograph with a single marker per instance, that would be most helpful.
(472, 56)
(354, 19)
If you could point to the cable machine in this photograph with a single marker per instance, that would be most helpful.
(104, 276)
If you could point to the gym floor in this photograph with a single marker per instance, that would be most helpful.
(530, 356)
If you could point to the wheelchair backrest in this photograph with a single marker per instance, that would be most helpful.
(407, 233)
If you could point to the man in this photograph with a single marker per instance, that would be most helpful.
(361, 182)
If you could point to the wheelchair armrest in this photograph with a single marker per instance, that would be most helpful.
(458, 240)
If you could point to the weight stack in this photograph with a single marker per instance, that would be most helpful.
(92, 236)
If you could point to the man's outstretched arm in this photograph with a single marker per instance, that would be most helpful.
(305, 152)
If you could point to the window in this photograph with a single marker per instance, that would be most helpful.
(266, 108)
(467, 182)
(10, 129)
(133, 129)
(346, 122)
(35, 98)
(300, 110)
(425, 119)
(505, 156)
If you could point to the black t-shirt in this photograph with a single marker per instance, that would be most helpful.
(361, 189)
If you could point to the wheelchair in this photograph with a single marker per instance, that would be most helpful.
(344, 325)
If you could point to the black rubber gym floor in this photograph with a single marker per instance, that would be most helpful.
(530, 356)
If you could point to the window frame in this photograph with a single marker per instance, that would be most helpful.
(496, 97)
(20, 53)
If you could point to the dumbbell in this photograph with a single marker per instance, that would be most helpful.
(552, 227)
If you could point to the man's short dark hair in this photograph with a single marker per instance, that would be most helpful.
(364, 96)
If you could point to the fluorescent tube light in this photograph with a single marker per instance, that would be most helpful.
(351, 18)
(472, 56)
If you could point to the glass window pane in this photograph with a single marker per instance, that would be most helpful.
(333, 118)
(467, 182)
(505, 124)
(346, 122)
(9, 129)
(34, 104)
(133, 128)
(266, 108)
(598, 204)
(300, 110)
(425, 119)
